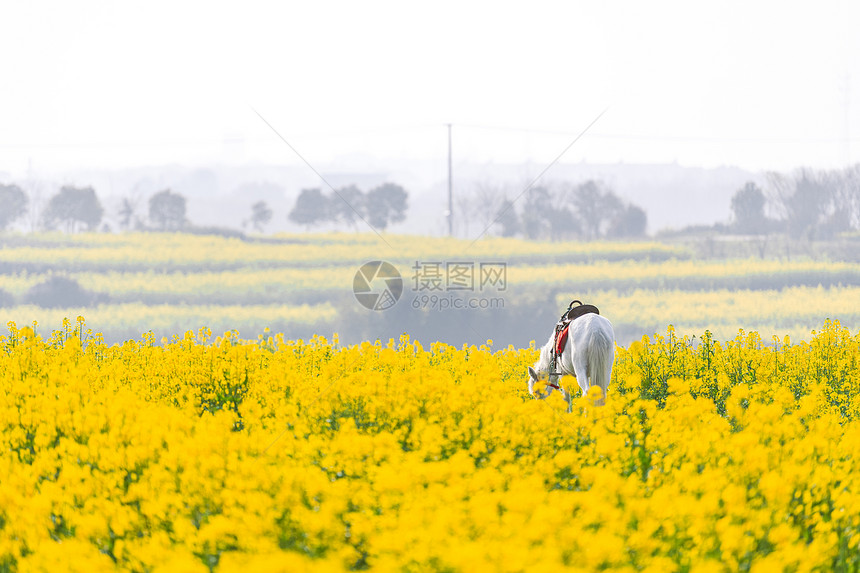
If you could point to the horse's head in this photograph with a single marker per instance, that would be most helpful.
(538, 379)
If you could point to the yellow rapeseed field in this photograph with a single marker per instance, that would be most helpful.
(302, 284)
(203, 453)
(179, 251)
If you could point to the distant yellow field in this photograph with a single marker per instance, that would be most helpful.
(792, 311)
(102, 251)
(302, 284)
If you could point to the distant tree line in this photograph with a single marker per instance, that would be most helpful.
(74, 209)
(378, 207)
(585, 211)
(806, 204)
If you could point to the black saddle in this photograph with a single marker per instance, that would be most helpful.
(577, 309)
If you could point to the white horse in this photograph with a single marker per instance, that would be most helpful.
(588, 355)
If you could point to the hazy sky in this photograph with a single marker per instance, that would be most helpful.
(762, 85)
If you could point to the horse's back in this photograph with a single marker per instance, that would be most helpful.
(593, 330)
(594, 347)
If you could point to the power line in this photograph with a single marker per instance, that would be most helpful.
(360, 132)
(656, 137)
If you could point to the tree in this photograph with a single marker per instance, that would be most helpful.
(562, 223)
(808, 203)
(539, 203)
(167, 211)
(126, 213)
(386, 204)
(587, 210)
(74, 208)
(596, 208)
(13, 204)
(547, 215)
(128, 209)
(805, 200)
(748, 209)
(347, 205)
(34, 218)
(488, 198)
(846, 197)
(507, 218)
(261, 214)
(482, 206)
(311, 208)
(631, 222)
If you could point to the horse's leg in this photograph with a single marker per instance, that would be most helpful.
(568, 397)
(602, 400)
(581, 373)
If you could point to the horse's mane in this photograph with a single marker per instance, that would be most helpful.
(542, 365)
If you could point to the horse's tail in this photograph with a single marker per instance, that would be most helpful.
(600, 356)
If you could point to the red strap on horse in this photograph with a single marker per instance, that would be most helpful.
(561, 339)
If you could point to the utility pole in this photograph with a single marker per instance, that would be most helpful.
(450, 189)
